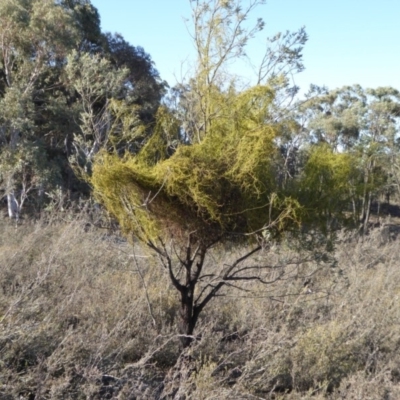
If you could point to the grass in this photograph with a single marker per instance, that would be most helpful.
(84, 315)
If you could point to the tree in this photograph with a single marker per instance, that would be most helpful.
(335, 117)
(36, 35)
(51, 110)
(209, 191)
(326, 186)
(144, 87)
(95, 81)
(220, 34)
(87, 21)
(205, 194)
(363, 124)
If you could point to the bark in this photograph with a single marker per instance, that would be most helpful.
(367, 212)
(191, 263)
(189, 312)
(13, 208)
(188, 319)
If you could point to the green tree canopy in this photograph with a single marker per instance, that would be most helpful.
(50, 111)
(206, 173)
(212, 186)
(36, 37)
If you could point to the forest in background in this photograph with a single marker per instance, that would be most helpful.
(68, 90)
(203, 241)
(60, 80)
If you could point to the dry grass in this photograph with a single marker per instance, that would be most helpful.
(83, 315)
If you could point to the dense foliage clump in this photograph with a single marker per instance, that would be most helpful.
(58, 75)
(224, 184)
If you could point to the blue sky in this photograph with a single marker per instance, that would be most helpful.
(350, 41)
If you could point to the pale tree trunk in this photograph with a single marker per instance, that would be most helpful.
(15, 205)
(13, 209)
(12, 203)
(367, 212)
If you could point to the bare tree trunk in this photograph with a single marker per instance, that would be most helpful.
(191, 262)
(193, 265)
(355, 214)
(12, 204)
(367, 212)
(187, 316)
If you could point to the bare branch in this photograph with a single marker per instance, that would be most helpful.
(145, 290)
(217, 288)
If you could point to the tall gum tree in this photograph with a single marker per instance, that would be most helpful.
(34, 36)
(50, 112)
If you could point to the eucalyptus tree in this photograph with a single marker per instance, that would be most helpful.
(380, 145)
(143, 84)
(335, 117)
(36, 35)
(49, 110)
(96, 82)
(364, 124)
(87, 20)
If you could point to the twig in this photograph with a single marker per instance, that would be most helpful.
(145, 291)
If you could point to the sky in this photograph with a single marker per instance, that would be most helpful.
(350, 41)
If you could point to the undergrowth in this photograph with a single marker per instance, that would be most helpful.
(85, 315)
